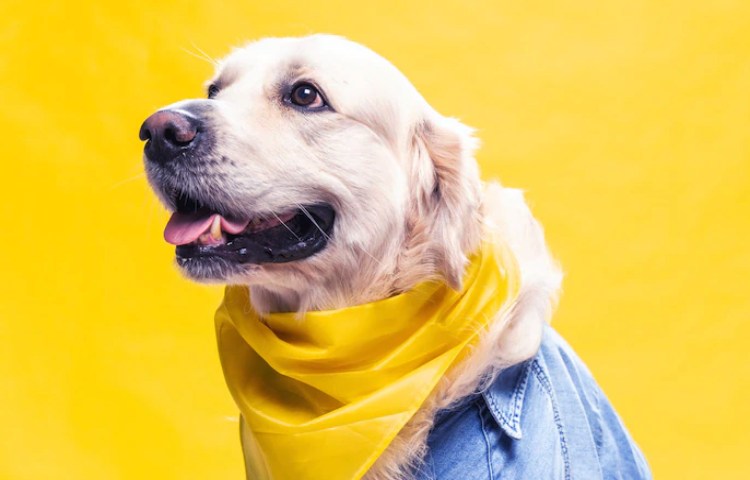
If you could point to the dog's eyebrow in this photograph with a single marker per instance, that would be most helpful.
(294, 66)
(291, 72)
(227, 76)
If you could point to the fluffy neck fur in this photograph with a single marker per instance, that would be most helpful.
(371, 279)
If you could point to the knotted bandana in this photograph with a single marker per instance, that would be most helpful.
(324, 395)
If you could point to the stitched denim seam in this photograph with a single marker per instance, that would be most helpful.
(486, 440)
(597, 437)
(513, 424)
(518, 395)
(544, 381)
(498, 414)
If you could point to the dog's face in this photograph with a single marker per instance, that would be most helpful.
(311, 160)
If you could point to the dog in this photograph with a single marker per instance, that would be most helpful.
(316, 177)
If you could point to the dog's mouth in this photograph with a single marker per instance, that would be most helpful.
(202, 234)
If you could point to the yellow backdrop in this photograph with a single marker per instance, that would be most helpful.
(625, 121)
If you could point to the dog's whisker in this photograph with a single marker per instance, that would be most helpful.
(370, 255)
(307, 214)
(203, 52)
(310, 217)
(201, 55)
(287, 227)
(127, 180)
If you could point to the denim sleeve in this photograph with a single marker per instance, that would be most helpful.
(588, 414)
(543, 419)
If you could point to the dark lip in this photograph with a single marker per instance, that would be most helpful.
(306, 234)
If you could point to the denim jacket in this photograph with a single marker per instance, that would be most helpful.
(545, 418)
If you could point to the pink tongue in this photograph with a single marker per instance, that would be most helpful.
(184, 228)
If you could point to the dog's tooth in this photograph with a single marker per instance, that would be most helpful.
(216, 228)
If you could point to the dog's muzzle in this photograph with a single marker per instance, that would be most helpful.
(212, 236)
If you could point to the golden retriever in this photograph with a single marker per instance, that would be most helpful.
(317, 175)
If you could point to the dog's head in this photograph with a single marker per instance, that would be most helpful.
(315, 173)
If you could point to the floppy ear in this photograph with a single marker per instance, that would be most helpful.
(451, 199)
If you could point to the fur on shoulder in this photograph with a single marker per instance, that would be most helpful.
(509, 340)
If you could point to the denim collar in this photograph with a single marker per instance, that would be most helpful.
(505, 396)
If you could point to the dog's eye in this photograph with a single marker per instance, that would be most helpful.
(305, 95)
(213, 89)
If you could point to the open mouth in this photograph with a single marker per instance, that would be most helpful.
(201, 234)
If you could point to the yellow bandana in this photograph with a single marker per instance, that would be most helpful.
(323, 396)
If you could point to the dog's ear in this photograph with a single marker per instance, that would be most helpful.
(450, 192)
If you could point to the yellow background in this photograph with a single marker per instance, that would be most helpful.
(625, 121)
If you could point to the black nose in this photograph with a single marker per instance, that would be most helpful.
(169, 133)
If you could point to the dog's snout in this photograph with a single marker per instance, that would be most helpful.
(168, 133)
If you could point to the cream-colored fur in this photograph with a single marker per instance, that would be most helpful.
(510, 339)
(405, 186)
